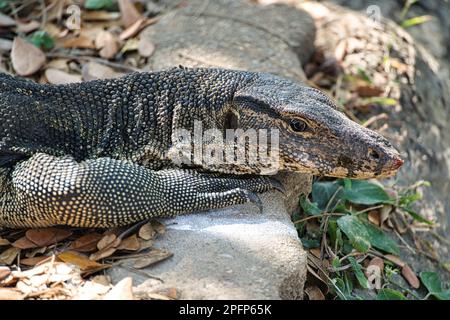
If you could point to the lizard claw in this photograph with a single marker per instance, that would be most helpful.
(277, 185)
(254, 198)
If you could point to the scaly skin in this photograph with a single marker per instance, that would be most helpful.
(98, 154)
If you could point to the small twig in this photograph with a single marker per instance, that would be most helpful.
(370, 209)
(381, 116)
(324, 223)
(139, 272)
(351, 254)
(132, 228)
(328, 278)
(347, 266)
(44, 13)
(404, 242)
(319, 216)
(99, 60)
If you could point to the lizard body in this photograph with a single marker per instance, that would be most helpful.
(98, 154)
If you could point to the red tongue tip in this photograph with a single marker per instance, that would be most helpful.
(398, 163)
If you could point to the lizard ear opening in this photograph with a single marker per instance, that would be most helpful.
(231, 120)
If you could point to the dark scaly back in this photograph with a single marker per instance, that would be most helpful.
(131, 117)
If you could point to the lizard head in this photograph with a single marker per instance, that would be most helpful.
(314, 136)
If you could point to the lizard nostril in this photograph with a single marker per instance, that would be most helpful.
(374, 154)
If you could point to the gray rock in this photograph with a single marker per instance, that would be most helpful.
(234, 253)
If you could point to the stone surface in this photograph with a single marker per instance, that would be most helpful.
(234, 253)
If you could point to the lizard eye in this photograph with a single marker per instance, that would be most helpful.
(298, 125)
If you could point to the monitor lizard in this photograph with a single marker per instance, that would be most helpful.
(98, 153)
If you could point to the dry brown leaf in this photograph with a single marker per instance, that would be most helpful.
(378, 262)
(93, 70)
(4, 242)
(170, 293)
(47, 236)
(130, 45)
(10, 294)
(24, 243)
(79, 42)
(91, 290)
(367, 91)
(340, 50)
(81, 261)
(31, 262)
(396, 260)
(60, 64)
(384, 213)
(154, 256)
(128, 12)
(399, 224)
(28, 27)
(4, 272)
(6, 21)
(410, 276)
(374, 217)
(145, 47)
(56, 76)
(107, 241)
(131, 244)
(53, 30)
(121, 291)
(147, 232)
(107, 246)
(315, 252)
(101, 279)
(107, 44)
(26, 58)
(9, 255)
(99, 15)
(86, 243)
(35, 251)
(145, 244)
(104, 253)
(314, 293)
(159, 227)
(132, 30)
(156, 296)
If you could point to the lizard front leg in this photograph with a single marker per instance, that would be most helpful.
(46, 190)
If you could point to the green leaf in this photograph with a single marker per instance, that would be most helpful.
(335, 262)
(309, 207)
(363, 74)
(358, 273)
(416, 20)
(335, 234)
(3, 4)
(42, 39)
(364, 192)
(416, 216)
(380, 239)
(323, 191)
(356, 232)
(408, 199)
(310, 243)
(432, 282)
(98, 4)
(390, 294)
